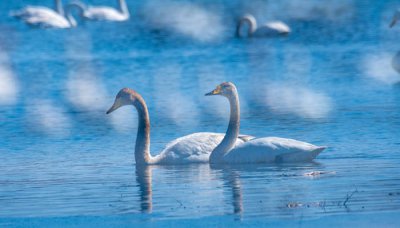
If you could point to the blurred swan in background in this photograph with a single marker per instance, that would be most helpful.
(193, 148)
(396, 17)
(258, 150)
(396, 62)
(104, 13)
(274, 28)
(43, 17)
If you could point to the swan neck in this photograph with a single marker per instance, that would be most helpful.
(59, 7)
(229, 140)
(142, 147)
(123, 7)
(69, 15)
(71, 20)
(252, 25)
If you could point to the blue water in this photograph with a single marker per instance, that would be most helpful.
(329, 82)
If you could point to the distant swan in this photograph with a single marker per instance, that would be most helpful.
(44, 17)
(104, 13)
(275, 28)
(193, 148)
(259, 150)
(396, 17)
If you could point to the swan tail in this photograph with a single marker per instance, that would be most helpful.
(317, 151)
(301, 156)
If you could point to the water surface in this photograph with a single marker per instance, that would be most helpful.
(330, 83)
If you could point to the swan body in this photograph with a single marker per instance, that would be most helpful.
(104, 13)
(43, 17)
(274, 28)
(396, 62)
(272, 149)
(193, 148)
(257, 150)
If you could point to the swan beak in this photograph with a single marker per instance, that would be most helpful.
(214, 92)
(115, 106)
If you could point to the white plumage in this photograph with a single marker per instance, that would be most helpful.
(257, 150)
(273, 28)
(193, 148)
(43, 17)
(103, 13)
(272, 149)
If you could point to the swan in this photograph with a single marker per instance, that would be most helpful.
(258, 150)
(104, 13)
(396, 17)
(274, 28)
(43, 17)
(193, 148)
(396, 62)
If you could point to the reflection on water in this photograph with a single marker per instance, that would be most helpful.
(143, 178)
(61, 155)
(100, 187)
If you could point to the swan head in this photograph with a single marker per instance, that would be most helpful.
(124, 97)
(225, 89)
(396, 17)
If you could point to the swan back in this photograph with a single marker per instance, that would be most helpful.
(103, 13)
(279, 26)
(193, 148)
(273, 149)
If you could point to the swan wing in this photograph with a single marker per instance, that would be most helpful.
(273, 28)
(272, 149)
(193, 148)
(48, 21)
(104, 13)
(34, 11)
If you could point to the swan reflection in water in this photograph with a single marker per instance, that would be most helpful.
(143, 178)
(230, 178)
(240, 189)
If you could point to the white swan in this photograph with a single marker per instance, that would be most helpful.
(396, 17)
(104, 13)
(396, 62)
(275, 28)
(259, 150)
(43, 17)
(193, 148)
